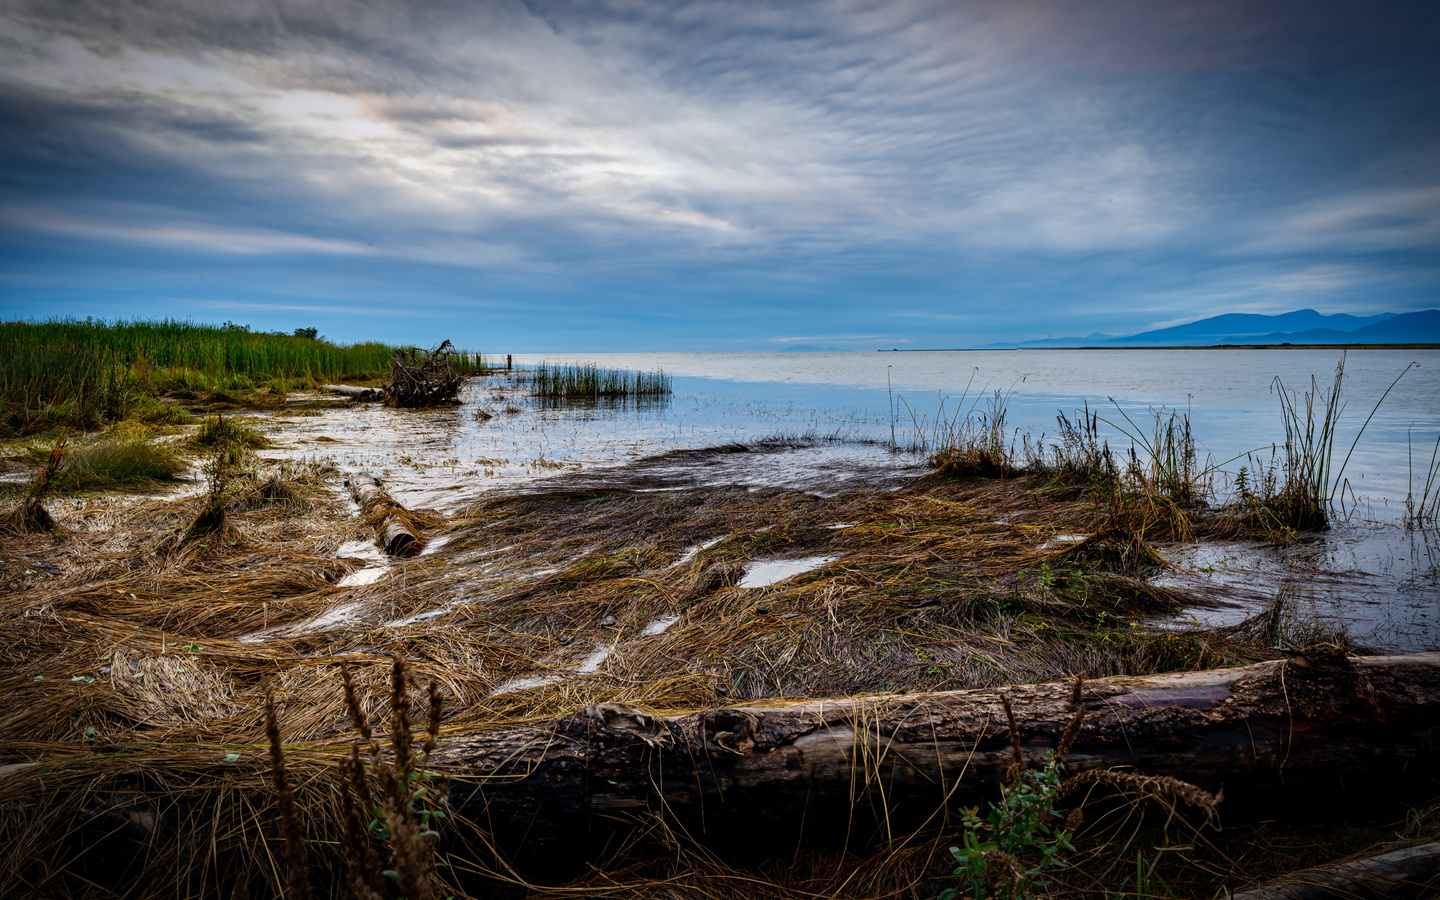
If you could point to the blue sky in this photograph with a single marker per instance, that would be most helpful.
(624, 175)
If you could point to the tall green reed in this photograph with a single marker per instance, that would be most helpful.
(1424, 510)
(587, 381)
(1170, 449)
(1311, 482)
(81, 374)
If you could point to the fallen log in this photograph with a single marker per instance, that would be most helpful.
(364, 394)
(1411, 872)
(395, 533)
(1285, 737)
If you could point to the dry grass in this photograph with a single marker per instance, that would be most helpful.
(134, 681)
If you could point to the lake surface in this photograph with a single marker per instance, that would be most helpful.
(1231, 395)
(1368, 573)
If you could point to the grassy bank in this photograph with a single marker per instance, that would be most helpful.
(84, 374)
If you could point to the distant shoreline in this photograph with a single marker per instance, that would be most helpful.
(1163, 347)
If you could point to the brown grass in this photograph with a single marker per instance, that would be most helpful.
(134, 683)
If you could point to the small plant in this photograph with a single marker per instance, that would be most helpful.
(409, 804)
(1008, 851)
(1145, 880)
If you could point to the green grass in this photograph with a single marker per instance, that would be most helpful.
(218, 430)
(83, 374)
(127, 462)
(590, 382)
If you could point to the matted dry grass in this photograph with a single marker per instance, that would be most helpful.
(133, 681)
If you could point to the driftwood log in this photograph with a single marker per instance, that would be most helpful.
(1411, 872)
(1294, 737)
(364, 394)
(395, 533)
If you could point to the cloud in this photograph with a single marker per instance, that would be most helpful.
(205, 238)
(977, 160)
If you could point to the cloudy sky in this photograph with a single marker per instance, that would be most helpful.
(724, 175)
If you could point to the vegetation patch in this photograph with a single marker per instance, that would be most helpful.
(84, 374)
(586, 381)
(119, 463)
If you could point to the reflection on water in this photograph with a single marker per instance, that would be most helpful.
(1377, 580)
(606, 405)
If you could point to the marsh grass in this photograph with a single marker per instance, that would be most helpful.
(1171, 465)
(216, 431)
(586, 381)
(82, 375)
(124, 462)
(1311, 483)
(151, 411)
(928, 593)
(1424, 509)
(952, 583)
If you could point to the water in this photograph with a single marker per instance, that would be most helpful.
(445, 458)
(1231, 396)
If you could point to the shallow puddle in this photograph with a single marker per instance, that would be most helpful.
(765, 572)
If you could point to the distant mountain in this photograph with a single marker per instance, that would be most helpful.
(1248, 328)
(1090, 340)
(1407, 328)
(1303, 326)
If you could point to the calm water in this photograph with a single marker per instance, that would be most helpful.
(1231, 395)
(1368, 574)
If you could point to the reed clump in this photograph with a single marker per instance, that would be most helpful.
(586, 381)
(1424, 509)
(1311, 483)
(216, 431)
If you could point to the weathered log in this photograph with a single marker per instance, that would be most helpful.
(367, 395)
(1280, 737)
(1411, 872)
(395, 532)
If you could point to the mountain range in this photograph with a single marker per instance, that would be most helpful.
(1303, 326)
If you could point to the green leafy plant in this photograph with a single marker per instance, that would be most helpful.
(1007, 852)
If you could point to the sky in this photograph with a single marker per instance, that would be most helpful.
(618, 175)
